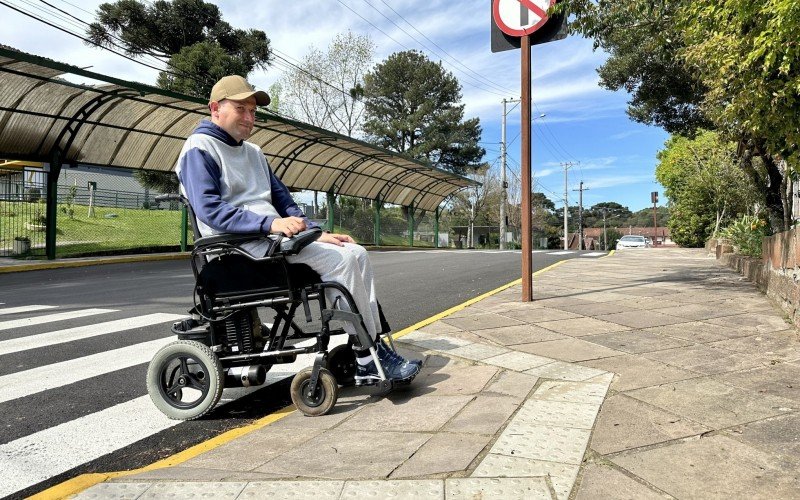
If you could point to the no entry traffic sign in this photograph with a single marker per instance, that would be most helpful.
(520, 17)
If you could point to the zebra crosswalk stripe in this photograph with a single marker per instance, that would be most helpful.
(82, 332)
(37, 457)
(49, 318)
(20, 309)
(20, 384)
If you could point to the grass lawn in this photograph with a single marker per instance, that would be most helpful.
(111, 229)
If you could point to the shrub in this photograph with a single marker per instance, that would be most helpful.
(746, 235)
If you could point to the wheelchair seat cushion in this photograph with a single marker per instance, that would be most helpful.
(231, 275)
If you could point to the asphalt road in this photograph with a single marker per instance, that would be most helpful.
(88, 386)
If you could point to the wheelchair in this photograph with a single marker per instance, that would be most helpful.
(223, 342)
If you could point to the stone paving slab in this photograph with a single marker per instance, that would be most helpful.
(443, 453)
(637, 341)
(562, 476)
(603, 481)
(636, 372)
(777, 435)
(716, 467)
(626, 423)
(579, 327)
(638, 320)
(706, 359)
(712, 403)
(560, 370)
(569, 350)
(523, 334)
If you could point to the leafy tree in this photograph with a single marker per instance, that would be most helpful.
(200, 46)
(478, 204)
(412, 107)
(643, 44)
(326, 89)
(746, 54)
(705, 186)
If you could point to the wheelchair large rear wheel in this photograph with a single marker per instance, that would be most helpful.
(323, 398)
(185, 380)
(342, 364)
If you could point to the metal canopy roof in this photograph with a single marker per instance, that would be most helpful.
(131, 125)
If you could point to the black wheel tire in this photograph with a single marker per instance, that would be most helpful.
(323, 398)
(185, 369)
(342, 364)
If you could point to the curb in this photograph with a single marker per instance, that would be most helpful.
(84, 481)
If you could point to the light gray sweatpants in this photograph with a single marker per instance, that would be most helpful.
(348, 265)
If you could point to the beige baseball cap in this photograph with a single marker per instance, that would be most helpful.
(236, 88)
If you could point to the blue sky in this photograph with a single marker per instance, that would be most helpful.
(583, 124)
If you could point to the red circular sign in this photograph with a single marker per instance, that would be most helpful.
(520, 17)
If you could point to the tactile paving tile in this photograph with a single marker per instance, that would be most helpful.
(556, 444)
(114, 491)
(518, 361)
(394, 489)
(292, 490)
(186, 489)
(575, 392)
(413, 336)
(441, 343)
(566, 371)
(477, 351)
(561, 475)
(558, 413)
(533, 488)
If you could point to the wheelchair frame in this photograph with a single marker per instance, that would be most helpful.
(223, 344)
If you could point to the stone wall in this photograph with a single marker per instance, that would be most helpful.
(776, 273)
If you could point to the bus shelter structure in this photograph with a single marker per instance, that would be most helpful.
(45, 117)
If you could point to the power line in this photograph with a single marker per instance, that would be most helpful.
(439, 54)
(390, 37)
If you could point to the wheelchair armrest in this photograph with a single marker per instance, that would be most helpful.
(232, 238)
(293, 245)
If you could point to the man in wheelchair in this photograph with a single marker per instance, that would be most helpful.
(232, 189)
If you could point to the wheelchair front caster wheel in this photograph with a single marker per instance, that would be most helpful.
(323, 398)
(185, 380)
(342, 364)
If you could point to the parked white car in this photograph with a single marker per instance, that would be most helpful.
(632, 241)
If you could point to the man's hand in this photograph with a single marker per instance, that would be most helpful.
(336, 239)
(288, 226)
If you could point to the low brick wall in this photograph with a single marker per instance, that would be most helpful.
(776, 273)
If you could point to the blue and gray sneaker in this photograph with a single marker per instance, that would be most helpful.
(387, 355)
(396, 368)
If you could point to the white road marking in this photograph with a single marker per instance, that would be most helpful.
(20, 384)
(34, 458)
(12, 310)
(49, 318)
(593, 254)
(82, 332)
(562, 252)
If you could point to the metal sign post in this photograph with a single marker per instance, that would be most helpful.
(523, 23)
(527, 256)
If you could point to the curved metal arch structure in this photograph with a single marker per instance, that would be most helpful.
(131, 125)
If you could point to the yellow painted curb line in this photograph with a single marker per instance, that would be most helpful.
(83, 263)
(77, 484)
(610, 253)
(464, 305)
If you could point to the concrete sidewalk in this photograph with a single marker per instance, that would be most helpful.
(648, 374)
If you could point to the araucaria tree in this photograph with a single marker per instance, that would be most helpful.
(200, 47)
(413, 107)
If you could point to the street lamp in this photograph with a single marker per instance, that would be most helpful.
(504, 182)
